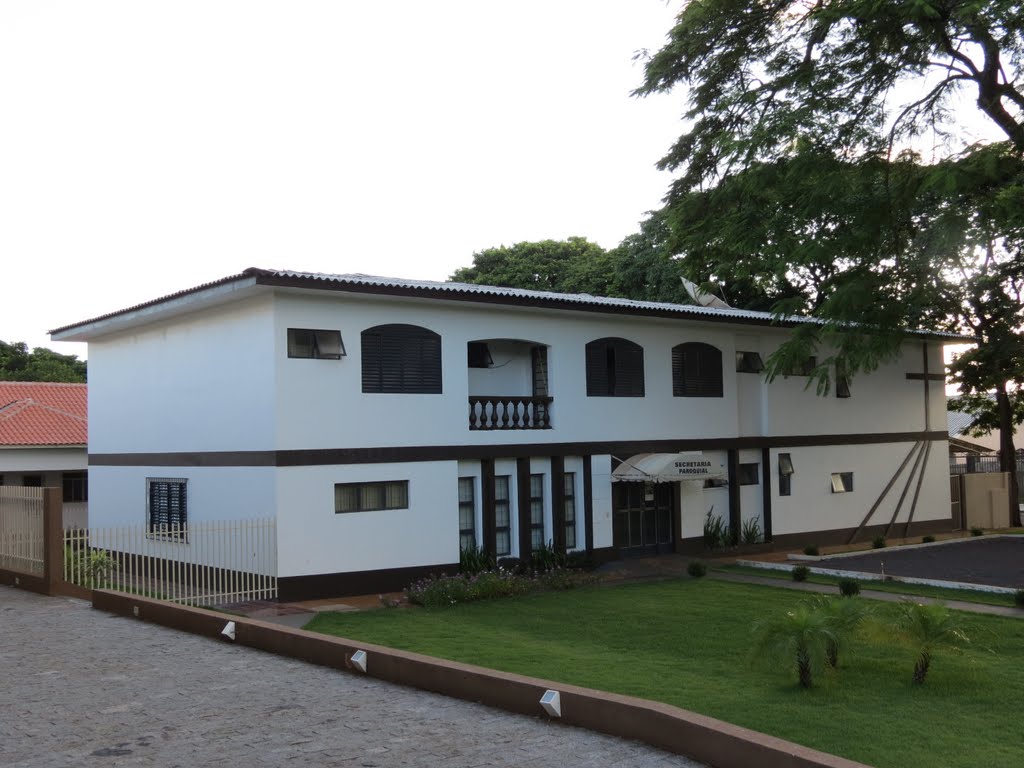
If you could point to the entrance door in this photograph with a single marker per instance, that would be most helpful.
(643, 514)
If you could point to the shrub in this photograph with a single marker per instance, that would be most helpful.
(512, 564)
(801, 572)
(927, 629)
(800, 635)
(750, 533)
(878, 542)
(438, 590)
(88, 568)
(811, 549)
(1018, 598)
(716, 531)
(475, 560)
(547, 558)
(927, 539)
(849, 587)
(977, 531)
(697, 568)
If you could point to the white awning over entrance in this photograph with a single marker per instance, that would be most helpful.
(669, 468)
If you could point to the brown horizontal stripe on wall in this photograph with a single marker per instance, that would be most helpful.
(323, 585)
(926, 376)
(399, 454)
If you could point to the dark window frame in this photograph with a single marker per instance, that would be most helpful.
(537, 539)
(478, 355)
(75, 486)
(614, 368)
(748, 473)
(401, 359)
(31, 481)
(697, 370)
(569, 507)
(749, 362)
(502, 502)
(170, 520)
(803, 367)
(364, 496)
(842, 381)
(319, 340)
(786, 472)
(467, 536)
(842, 482)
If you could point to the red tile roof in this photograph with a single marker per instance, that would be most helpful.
(43, 413)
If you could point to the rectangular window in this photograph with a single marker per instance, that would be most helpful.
(536, 512)
(749, 362)
(478, 355)
(467, 513)
(748, 474)
(315, 344)
(167, 506)
(785, 474)
(842, 482)
(32, 481)
(570, 510)
(76, 486)
(502, 516)
(804, 367)
(842, 381)
(371, 497)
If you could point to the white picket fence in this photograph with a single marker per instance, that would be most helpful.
(22, 542)
(208, 563)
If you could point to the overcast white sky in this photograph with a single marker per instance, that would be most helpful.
(147, 147)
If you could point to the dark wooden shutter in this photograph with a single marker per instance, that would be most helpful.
(615, 368)
(401, 359)
(696, 370)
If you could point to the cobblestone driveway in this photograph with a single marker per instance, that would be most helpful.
(82, 688)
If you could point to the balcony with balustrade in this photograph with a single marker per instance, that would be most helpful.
(501, 371)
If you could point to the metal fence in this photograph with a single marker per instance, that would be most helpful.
(966, 463)
(22, 537)
(209, 563)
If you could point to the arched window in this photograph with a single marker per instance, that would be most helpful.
(401, 358)
(615, 368)
(696, 370)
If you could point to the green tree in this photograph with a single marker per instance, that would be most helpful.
(575, 265)
(41, 364)
(927, 629)
(790, 182)
(845, 616)
(800, 635)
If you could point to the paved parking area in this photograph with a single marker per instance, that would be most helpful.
(994, 561)
(82, 688)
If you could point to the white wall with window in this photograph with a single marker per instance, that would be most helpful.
(314, 537)
(751, 488)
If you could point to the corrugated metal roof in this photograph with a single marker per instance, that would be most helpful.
(470, 292)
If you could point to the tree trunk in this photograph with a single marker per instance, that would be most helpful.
(921, 667)
(803, 667)
(1007, 453)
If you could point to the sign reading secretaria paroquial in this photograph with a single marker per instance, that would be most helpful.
(695, 466)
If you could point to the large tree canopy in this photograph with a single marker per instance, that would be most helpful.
(797, 178)
(41, 364)
(844, 76)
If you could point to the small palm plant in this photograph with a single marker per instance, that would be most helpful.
(845, 616)
(928, 628)
(802, 634)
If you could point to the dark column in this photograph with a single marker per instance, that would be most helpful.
(523, 493)
(558, 502)
(735, 515)
(766, 493)
(588, 503)
(53, 539)
(490, 539)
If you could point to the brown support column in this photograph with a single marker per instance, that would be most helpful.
(53, 539)
(766, 493)
(558, 503)
(588, 504)
(523, 493)
(735, 514)
(490, 538)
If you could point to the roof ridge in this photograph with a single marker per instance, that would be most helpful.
(55, 409)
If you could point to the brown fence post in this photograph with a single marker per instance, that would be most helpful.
(53, 539)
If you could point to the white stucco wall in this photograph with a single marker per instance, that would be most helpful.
(51, 461)
(203, 382)
(813, 506)
(313, 539)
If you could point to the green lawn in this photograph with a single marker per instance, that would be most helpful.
(895, 587)
(687, 643)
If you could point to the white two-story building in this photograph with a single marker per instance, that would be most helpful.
(386, 423)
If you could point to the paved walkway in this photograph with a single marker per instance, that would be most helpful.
(82, 688)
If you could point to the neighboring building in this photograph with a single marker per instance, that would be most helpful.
(386, 422)
(43, 433)
(960, 441)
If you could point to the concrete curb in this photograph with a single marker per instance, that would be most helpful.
(675, 730)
